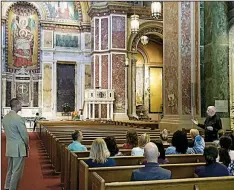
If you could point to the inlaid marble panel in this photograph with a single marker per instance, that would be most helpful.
(170, 58)
(186, 57)
(197, 80)
(118, 82)
(88, 76)
(96, 71)
(104, 33)
(104, 71)
(47, 87)
(96, 32)
(104, 111)
(92, 73)
(139, 85)
(118, 32)
(216, 50)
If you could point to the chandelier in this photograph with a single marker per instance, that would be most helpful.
(134, 24)
(144, 40)
(156, 9)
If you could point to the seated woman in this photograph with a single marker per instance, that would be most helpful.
(162, 157)
(143, 140)
(99, 155)
(199, 143)
(179, 144)
(131, 139)
(226, 156)
(212, 168)
(112, 146)
(77, 137)
(164, 137)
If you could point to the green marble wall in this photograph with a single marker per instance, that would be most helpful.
(214, 61)
(202, 75)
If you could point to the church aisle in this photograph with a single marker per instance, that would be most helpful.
(38, 173)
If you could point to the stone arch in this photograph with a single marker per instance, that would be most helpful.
(144, 55)
(37, 6)
(151, 27)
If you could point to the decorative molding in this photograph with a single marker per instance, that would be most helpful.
(151, 27)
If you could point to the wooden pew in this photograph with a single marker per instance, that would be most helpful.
(126, 161)
(123, 173)
(56, 149)
(65, 160)
(212, 183)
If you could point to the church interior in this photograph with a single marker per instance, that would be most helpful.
(106, 68)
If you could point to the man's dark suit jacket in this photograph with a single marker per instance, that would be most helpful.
(151, 171)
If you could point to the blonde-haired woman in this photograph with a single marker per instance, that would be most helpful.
(99, 155)
(143, 140)
(199, 143)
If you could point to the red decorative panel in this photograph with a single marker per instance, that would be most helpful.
(170, 58)
(104, 33)
(104, 111)
(105, 71)
(186, 57)
(118, 32)
(118, 82)
(96, 71)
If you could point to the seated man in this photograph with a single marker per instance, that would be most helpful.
(77, 137)
(152, 170)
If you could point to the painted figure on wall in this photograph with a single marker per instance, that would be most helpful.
(64, 40)
(22, 37)
(62, 10)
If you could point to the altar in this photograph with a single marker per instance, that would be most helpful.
(26, 112)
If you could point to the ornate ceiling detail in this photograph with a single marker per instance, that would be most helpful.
(147, 28)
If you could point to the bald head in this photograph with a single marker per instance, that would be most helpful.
(151, 152)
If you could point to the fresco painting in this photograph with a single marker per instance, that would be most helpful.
(22, 37)
(65, 40)
(63, 10)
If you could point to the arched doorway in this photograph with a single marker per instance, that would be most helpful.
(146, 68)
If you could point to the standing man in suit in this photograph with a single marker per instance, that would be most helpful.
(17, 144)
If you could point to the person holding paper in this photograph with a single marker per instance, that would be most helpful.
(211, 125)
(17, 144)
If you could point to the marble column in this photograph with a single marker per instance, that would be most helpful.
(216, 59)
(231, 73)
(133, 89)
(3, 82)
(109, 53)
(180, 65)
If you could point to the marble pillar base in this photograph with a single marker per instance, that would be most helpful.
(174, 123)
(120, 116)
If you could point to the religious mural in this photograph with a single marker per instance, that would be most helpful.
(65, 40)
(48, 39)
(63, 11)
(22, 37)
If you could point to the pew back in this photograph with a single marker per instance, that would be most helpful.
(123, 173)
(216, 183)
